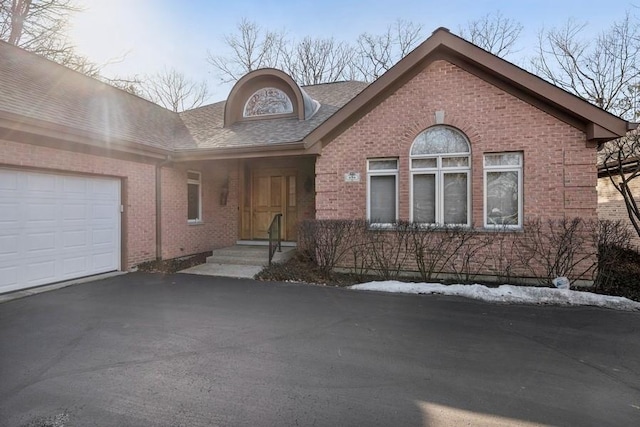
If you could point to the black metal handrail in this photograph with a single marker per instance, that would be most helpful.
(275, 229)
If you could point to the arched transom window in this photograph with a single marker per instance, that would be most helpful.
(440, 167)
(267, 101)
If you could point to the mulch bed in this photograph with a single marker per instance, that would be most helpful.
(300, 269)
(173, 265)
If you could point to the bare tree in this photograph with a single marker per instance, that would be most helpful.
(40, 26)
(603, 70)
(314, 61)
(36, 25)
(621, 161)
(131, 84)
(494, 33)
(251, 48)
(377, 53)
(171, 89)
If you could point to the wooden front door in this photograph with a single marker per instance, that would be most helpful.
(273, 192)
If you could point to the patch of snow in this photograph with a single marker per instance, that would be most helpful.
(506, 294)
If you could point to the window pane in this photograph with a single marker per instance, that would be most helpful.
(503, 159)
(292, 190)
(502, 198)
(449, 162)
(455, 198)
(193, 202)
(383, 199)
(193, 175)
(424, 198)
(424, 163)
(439, 140)
(268, 100)
(375, 165)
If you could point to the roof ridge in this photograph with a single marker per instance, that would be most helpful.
(336, 82)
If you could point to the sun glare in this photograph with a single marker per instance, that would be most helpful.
(108, 29)
(436, 415)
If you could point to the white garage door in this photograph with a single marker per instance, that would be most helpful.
(56, 227)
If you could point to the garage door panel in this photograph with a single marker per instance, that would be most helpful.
(39, 272)
(74, 187)
(39, 242)
(74, 239)
(74, 211)
(8, 277)
(74, 266)
(55, 227)
(8, 180)
(40, 185)
(9, 213)
(102, 261)
(103, 190)
(103, 211)
(102, 236)
(42, 214)
(8, 244)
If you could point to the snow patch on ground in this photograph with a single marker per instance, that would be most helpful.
(506, 294)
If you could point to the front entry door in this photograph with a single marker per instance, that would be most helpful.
(273, 192)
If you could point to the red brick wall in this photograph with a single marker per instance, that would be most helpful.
(138, 196)
(219, 225)
(611, 206)
(559, 171)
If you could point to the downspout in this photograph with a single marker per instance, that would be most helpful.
(159, 206)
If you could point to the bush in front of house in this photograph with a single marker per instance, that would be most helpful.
(573, 248)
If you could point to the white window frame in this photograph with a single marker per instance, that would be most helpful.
(504, 168)
(440, 171)
(197, 182)
(382, 172)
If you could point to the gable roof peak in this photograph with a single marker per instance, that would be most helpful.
(439, 29)
(597, 124)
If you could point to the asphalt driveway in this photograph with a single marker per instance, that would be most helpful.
(183, 350)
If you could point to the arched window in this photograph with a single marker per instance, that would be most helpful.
(440, 167)
(267, 101)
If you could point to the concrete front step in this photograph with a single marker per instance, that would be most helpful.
(240, 261)
(248, 255)
(224, 270)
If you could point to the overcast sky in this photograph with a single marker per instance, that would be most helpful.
(153, 34)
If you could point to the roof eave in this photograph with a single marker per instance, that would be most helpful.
(219, 153)
(536, 86)
(12, 124)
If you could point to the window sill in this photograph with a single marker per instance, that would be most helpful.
(441, 227)
(502, 229)
(382, 226)
(195, 222)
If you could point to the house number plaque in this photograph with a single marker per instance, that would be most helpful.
(352, 177)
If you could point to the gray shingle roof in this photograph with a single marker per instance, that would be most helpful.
(206, 123)
(37, 88)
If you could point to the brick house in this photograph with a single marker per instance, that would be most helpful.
(611, 204)
(93, 179)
